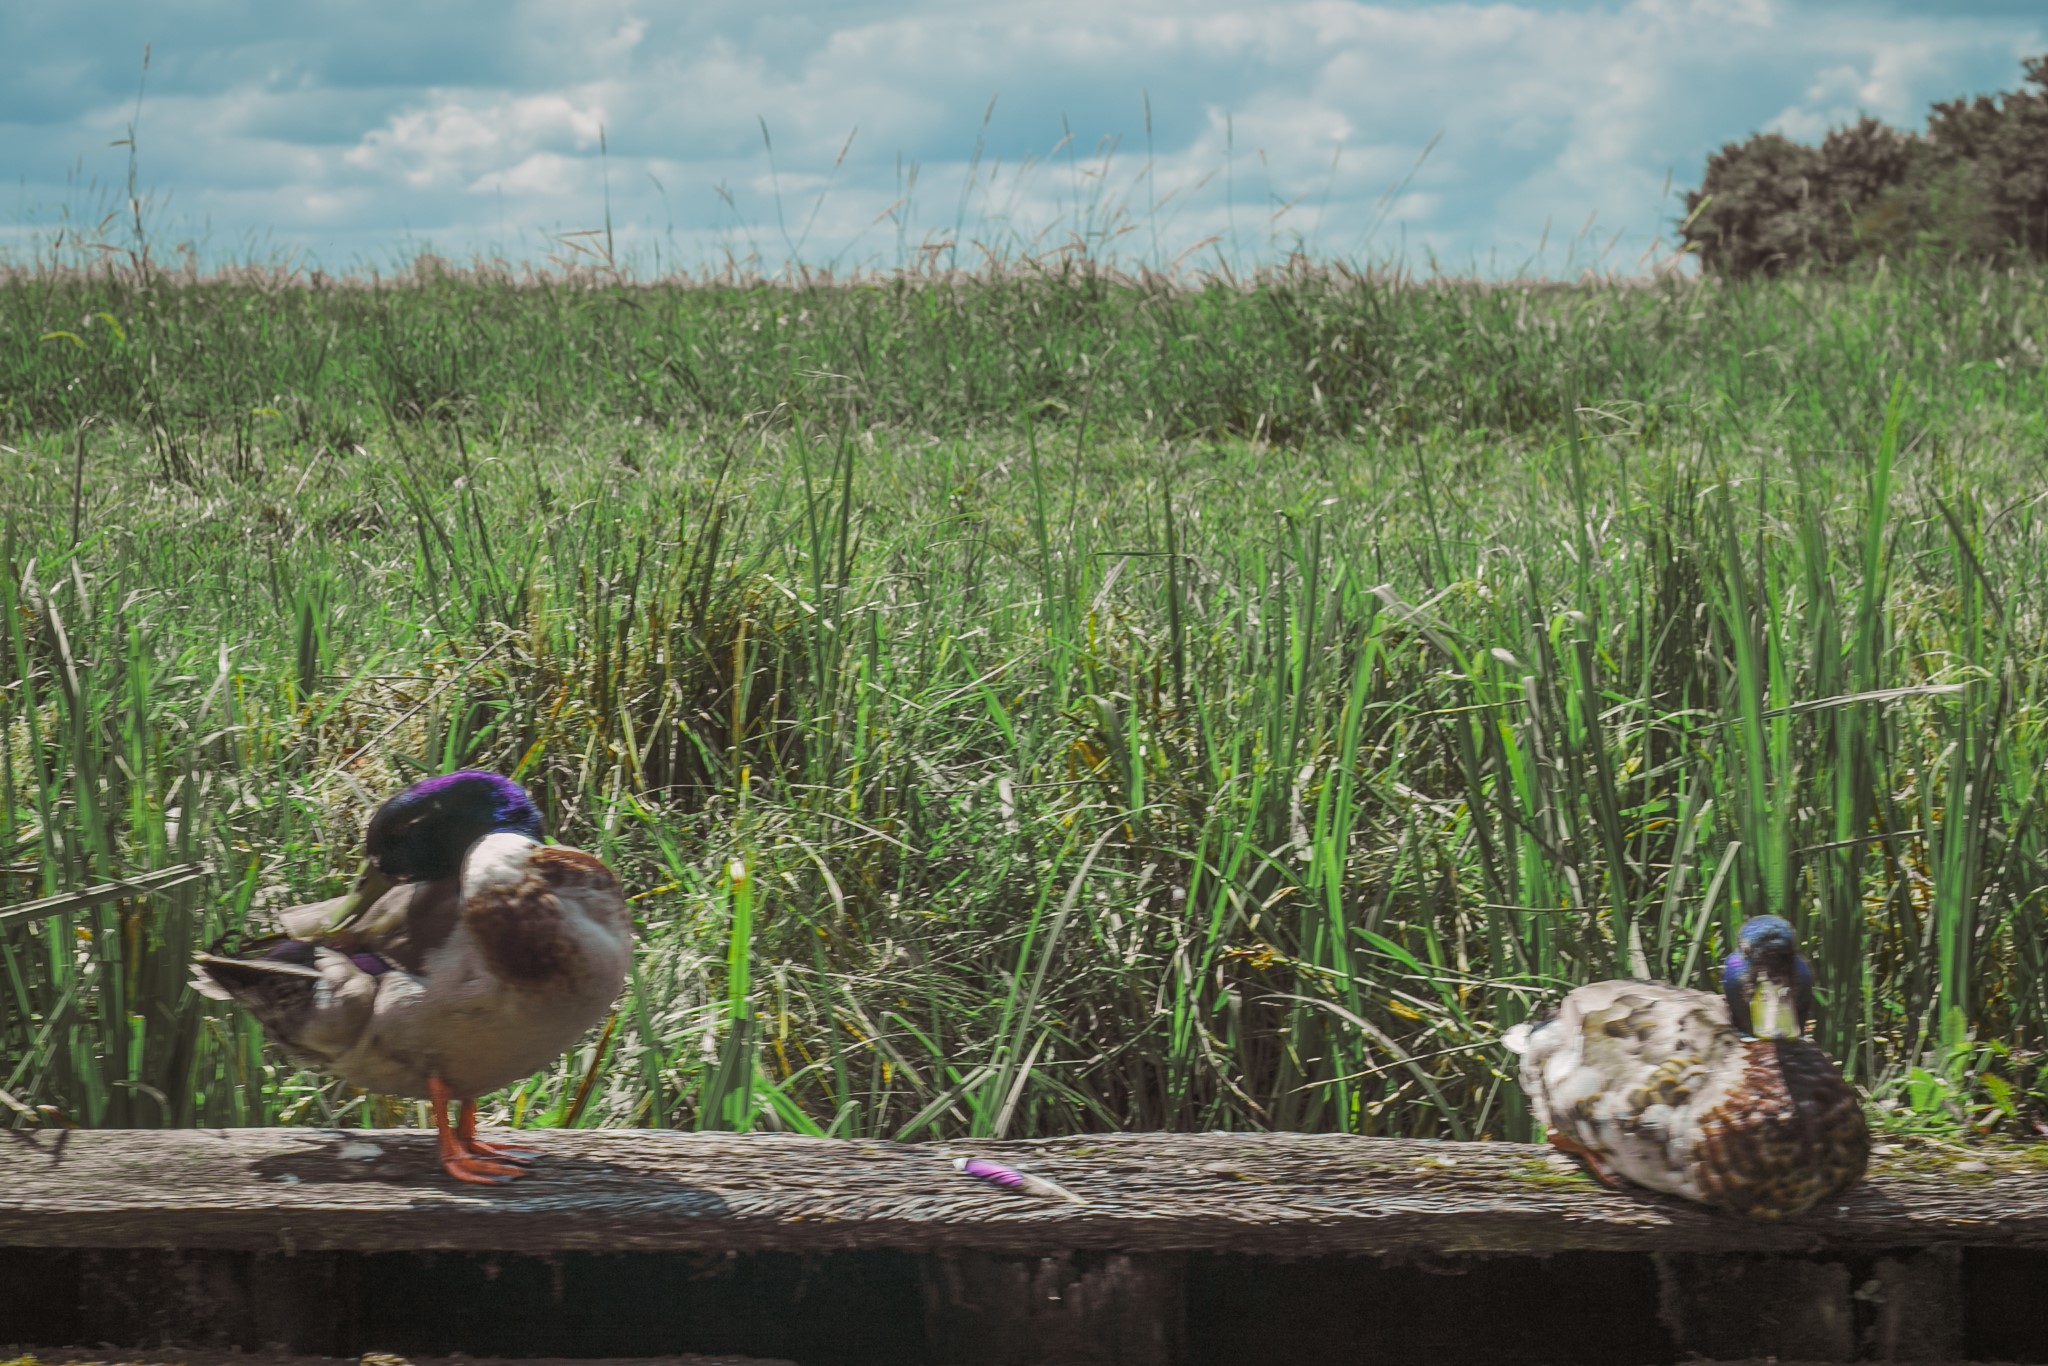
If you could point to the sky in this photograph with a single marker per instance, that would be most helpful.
(1527, 138)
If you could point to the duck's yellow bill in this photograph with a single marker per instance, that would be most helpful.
(1772, 1013)
(371, 885)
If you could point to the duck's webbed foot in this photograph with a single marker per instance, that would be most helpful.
(506, 1152)
(1595, 1164)
(465, 1133)
(461, 1157)
(479, 1171)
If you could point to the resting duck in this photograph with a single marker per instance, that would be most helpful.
(468, 956)
(1719, 1099)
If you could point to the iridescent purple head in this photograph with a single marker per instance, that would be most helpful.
(1768, 985)
(423, 832)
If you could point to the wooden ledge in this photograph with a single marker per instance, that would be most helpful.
(1294, 1195)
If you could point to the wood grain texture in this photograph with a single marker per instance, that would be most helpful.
(641, 1190)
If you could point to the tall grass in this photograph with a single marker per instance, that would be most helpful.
(1043, 702)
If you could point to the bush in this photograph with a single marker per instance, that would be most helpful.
(1761, 210)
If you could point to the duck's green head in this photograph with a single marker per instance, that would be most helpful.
(1768, 984)
(422, 833)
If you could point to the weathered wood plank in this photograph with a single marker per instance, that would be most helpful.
(619, 1191)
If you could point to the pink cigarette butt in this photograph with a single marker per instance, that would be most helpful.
(1022, 1182)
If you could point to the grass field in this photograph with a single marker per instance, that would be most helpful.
(1044, 701)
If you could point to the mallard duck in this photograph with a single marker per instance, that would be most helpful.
(468, 955)
(1719, 1099)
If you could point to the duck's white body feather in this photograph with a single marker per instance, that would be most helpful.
(1621, 1067)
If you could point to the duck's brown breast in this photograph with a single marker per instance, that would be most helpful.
(1788, 1135)
(525, 926)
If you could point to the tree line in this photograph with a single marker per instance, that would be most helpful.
(1973, 186)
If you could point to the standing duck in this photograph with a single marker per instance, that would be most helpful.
(468, 956)
(1719, 1099)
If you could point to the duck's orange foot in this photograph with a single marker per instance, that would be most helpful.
(1596, 1165)
(462, 1157)
(480, 1171)
(465, 1135)
(505, 1152)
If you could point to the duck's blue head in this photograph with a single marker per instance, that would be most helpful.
(423, 832)
(1768, 984)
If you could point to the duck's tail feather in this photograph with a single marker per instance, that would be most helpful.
(1522, 1037)
(223, 978)
(313, 1001)
(207, 987)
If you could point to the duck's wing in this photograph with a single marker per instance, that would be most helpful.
(1616, 1066)
(400, 927)
(362, 904)
(313, 1001)
(406, 925)
(316, 918)
(314, 987)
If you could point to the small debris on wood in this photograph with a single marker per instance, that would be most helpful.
(997, 1174)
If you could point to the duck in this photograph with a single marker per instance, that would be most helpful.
(468, 955)
(1720, 1099)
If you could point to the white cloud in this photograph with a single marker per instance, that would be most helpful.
(455, 140)
(1756, 13)
(1884, 83)
(1413, 207)
(544, 174)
